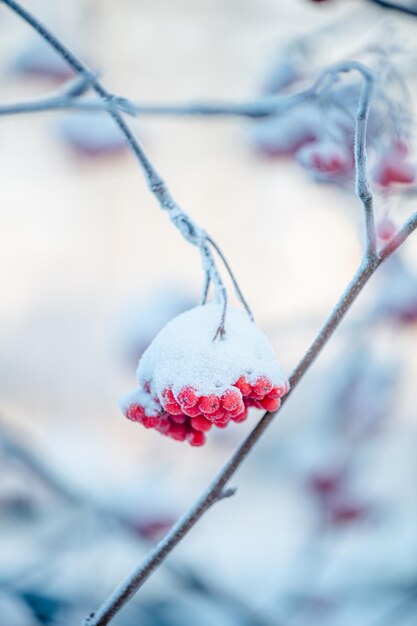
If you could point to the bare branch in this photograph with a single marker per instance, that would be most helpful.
(232, 277)
(64, 102)
(362, 186)
(259, 108)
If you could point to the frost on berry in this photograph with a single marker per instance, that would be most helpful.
(188, 383)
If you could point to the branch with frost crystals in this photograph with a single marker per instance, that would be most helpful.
(66, 103)
(263, 107)
(254, 109)
(362, 186)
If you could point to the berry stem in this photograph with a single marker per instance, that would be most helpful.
(232, 277)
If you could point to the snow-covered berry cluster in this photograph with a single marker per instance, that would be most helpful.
(189, 383)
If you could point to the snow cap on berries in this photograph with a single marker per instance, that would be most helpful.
(189, 382)
(184, 353)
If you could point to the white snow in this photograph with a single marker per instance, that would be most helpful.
(184, 353)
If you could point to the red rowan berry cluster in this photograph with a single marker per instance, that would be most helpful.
(392, 165)
(189, 383)
(319, 134)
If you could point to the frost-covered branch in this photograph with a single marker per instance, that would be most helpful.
(262, 107)
(257, 108)
(363, 188)
(64, 102)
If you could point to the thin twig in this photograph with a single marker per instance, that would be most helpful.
(259, 108)
(232, 277)
(362, 186)
(57, 103)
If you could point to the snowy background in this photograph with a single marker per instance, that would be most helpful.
(323, 527)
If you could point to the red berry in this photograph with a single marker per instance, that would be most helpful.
(276, 392)
(240, 417)
(150, 421)
(200, 423)
(191, 411)
(187, 397)
(135, 413)
(262, 387)
(179, 419)
(396, 173)
(209, 404)
(147, 386)
(168, 395)
(232, 399)
(347, 514)
(243, 386)
(173, 408)
(178, 432)
(270, 404)
(163, 426)
(325, 483)
(222, 422)
(196, 438)
(216, 415)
